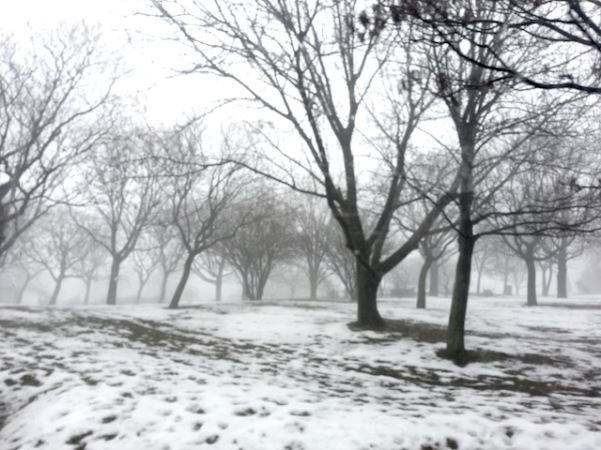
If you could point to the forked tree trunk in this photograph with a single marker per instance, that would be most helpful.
(421, 284)
(21, 293)
(547, 276)
(187, 269)
(140, 289)
(531, 270)
(562, 269)
(368, 316)
(111, 298)
(163, 292)
(57, 289)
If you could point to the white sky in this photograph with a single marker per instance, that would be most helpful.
(165, 99)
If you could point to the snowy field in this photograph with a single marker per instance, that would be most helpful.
(292, 376)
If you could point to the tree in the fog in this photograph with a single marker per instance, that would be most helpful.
(313, 66)
(49, 118)
(545, 206)
(311, 220)
(144, 261)
(58, 246)
(566, 34)
(202, 195)
(120, 194)
(211, 267)
(21, 262)
(483, 258)
(341, 261)
(494, 121)
(263, 242)
(169, 247)
(90, 267)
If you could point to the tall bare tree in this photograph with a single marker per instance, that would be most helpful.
(212, 268)
(311, 220)
(59, 247)
(170, 252)
(49, 118)
(120, 195)
(312, 65)
(202, 195)
(264, 241)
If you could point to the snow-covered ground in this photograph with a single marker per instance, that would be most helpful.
(292, 376)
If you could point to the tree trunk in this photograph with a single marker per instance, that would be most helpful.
(421, 284)
(163, 292)
(21, 293)
(456, 331)
(547, 285)
(56, 291)
(368, 316)
(478, 282)
(219, 280)
(531, 269)
(111, 298)
(139, 293)
(86, 299)
(562, 269)
(218, 287)
(187, 269)
(313, 287)
(434, 279)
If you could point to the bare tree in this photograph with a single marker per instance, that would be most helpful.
(122, 193)
(58, 247)
(145, 260)
(171, 252)
(202, 194)
(341, 261)
(211, 267)
(483, 256)
(265, 241)
(17, 261)
(312, 219)
(49, 118)
(312, 65)
(88, 270)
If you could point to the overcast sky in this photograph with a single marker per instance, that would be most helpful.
(164, 98)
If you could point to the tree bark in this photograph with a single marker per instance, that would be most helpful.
(456, 331)
(218, 287)
(531, 269)
(219, 280)
(177, 295)
(478, 283)
(547, 276)
(57, 289)
(313, 287)
(163, 286)
(368, 316)
(139, 293)
(23, 288)
(562, 269)
(111, 298)
(421, 284)
(86, 299)
(434, 279)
